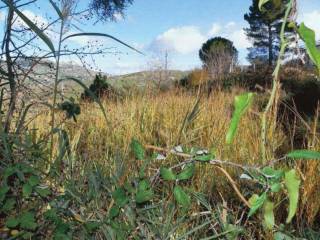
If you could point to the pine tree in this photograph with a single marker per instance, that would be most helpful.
(264, 31)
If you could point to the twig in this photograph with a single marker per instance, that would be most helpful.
(214, 162)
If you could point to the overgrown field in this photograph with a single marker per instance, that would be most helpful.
(172, 119)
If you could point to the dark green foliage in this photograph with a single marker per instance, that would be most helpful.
(107, 9)
(264, 30)
(100, 88)
(71, 108)
(303, 95)
(215, 48)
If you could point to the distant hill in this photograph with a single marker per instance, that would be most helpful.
(142, 79)
(44, 74)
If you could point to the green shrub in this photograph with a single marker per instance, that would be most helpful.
(100, 87)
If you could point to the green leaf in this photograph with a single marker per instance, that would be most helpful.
(43, 191)
(143, 185)
(3, 191)
(57, 9)
(26, 190)
(92, 226)
(120, 197)
(32, 26)
(8, 205)
(281, 236)
(205, 158)
(309, 37)
(33, 180)
(27, 221)
(101, 35)
(114, 212)
(304, 154)
(272, 173)
(182, 198)
(268, 214)
(12, 222)
(276, 187)
(241, 104)
(292, 183)
(256, 202)
(187, 172)
(167, 174)
(143, 196)
(137, 149)
(261, 3)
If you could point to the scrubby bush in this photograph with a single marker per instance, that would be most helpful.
(196, 78)
(100, 88)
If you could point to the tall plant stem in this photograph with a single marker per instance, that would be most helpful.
(276, 83)
(55, 90)
(11, 76)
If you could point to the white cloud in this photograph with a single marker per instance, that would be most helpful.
(312, 20)
(232, 32)
(215, 29)
(118, 17)
(183, 40)
(230, 25)
(239, 39)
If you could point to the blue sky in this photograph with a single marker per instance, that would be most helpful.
(176, 26)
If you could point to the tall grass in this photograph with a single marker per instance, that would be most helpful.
(157, 120)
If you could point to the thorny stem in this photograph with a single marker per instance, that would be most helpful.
(276, 83)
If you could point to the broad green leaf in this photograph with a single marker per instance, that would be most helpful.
(32, 26)
(167, 174)
(256, 202)
(281, 236)
(26, 190)
(114, 212)
(57, 9)
(276, 187)
(143, 185)
(120, 197)
(33, 180)
(292, 183)
(143, 196)
(27, 221)
(272, 173)
(43, 191)
(186, 173)
(137, 149)
(8, 205)
(241, 104)
(101, 35)
(304, 154)
(309, 37)
(3, 191)
(261, 3)
(205, 158)
(12, 222)
(182, 198)
(92, 226)
(268, 214)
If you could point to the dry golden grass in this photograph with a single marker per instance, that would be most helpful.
(157, 120)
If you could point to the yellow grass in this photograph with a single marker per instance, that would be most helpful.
(157, 120)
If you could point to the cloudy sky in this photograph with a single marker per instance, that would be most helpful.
(176, 26)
